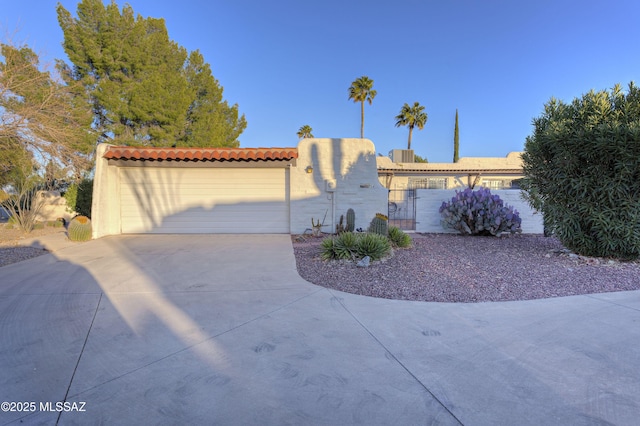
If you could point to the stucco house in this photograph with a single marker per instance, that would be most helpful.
(416, 190)
(280, 190)
(235, 190)
(491, 172)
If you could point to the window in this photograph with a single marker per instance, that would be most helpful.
(496, 184)
(428, 183)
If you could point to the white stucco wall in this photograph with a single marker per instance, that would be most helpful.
(428, 203)
(54, 206)
(349, 167)
(344, 176)
(105, 207)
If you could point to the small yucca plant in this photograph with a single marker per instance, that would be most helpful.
(399, 238)
(353, 246)
(374, 245)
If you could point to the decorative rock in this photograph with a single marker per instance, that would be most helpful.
(364, 262)
(561, 251)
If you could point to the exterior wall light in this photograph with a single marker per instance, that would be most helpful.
(309, 169)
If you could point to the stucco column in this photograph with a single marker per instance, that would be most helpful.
(105, 207)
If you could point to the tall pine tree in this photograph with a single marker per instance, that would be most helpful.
(456, 141)
(210, 121)
(144, 88)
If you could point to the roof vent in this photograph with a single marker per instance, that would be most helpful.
(402, 156)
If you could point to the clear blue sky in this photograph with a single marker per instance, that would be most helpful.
(287, 63)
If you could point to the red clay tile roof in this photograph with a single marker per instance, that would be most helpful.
(199, 154)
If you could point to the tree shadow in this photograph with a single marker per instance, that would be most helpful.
(47, 305)
(344, 176)
(134, 302)
(94, 313)
(331, 176)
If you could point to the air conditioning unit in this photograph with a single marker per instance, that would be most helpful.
(402, 156)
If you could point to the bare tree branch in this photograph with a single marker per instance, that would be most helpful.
(40, 114)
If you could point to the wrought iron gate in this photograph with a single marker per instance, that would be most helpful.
(402, 209)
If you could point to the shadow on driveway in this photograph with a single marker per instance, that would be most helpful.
(220, 329)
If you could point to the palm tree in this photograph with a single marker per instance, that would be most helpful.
(305, 132)
(361, 90)
(412, 116)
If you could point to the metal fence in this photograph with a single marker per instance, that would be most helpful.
(402, 209)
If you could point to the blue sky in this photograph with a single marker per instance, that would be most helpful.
(288, 63)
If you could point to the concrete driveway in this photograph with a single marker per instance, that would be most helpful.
(220, 329)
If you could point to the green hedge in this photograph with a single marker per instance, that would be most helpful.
(582, 170)
(79, 197)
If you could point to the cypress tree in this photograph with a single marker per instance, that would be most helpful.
(456, 141)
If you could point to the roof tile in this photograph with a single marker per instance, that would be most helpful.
(199, 154)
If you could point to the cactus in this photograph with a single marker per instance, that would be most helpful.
(340, 226)
(379, 225)
(351, 220)
(316, 226)
(79, 229)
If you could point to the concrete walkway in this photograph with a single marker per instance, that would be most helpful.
(220, 329)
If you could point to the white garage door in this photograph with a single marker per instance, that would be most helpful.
(204, 200)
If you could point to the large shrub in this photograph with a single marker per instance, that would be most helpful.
(479, 213)
(71, 195)
(79, 197)
(582, 171)
(85, 197)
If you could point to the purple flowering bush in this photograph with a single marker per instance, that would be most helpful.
(479, 213)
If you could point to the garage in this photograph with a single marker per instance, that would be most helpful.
(202, 191)
(148, 190)
(196, 201)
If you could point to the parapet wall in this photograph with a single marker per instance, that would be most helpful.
(332, 176)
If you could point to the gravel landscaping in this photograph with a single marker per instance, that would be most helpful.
(10, 239)
(455, 268)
